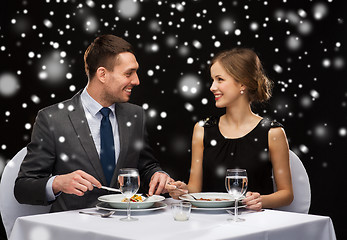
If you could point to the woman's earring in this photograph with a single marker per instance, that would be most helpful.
(242, 92)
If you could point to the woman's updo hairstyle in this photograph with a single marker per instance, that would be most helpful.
(245, 67)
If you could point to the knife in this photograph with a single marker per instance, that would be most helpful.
(109, 188)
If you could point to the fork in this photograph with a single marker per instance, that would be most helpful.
(103, 215)
(147, 198)
(193, 196)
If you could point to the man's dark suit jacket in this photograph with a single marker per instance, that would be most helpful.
(61, 143)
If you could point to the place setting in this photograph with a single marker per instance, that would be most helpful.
(138, 203)
(129, 200)
(236, 183)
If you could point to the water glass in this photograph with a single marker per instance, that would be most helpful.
(129, 183)
(236, 183)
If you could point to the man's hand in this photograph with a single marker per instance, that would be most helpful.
(176, 189)
(77, 182)
(158, 183)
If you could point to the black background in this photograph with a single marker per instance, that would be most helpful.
(310, 78)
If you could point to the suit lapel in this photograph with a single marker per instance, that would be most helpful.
(80, 124)
(122, 119)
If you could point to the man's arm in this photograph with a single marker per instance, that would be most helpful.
(36, 168)
(34, 181)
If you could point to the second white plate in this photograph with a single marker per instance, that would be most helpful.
(209, 199)
(108, 207)
(217, 208)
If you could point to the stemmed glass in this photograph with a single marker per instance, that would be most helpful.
(129, 183)
(236, 183)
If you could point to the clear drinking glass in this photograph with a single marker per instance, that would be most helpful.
(181, 211)
(236, 183)
(129, 183)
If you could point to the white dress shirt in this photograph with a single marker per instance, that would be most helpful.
(94, 117)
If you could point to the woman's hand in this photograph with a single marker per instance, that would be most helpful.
(253, 201)
(176, 189)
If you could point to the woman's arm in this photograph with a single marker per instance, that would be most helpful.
(279, 155)
(196, 170)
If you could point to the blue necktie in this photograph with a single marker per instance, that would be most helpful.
(107, 151)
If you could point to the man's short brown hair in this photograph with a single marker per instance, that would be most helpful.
(103, 52)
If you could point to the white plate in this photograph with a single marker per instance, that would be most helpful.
(107, 207)
(115, 201)
(210, 204)
(217, 209)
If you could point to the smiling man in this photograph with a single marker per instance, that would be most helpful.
(84, 141)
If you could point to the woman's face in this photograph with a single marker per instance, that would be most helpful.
(225, 89)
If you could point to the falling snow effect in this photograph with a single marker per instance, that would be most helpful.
(301, 44)
(39, 233)
(189, 85)
(9, 84)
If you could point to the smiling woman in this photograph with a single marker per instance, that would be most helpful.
(246, 70)
(240, 138)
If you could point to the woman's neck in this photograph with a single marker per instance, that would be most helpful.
(240, 115)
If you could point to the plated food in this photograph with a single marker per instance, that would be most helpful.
(209, 199)
(134, 198)
(212, 199)
(116, 201)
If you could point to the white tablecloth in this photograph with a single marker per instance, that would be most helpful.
(159, 224)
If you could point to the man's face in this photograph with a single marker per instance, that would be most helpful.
(122, 79)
